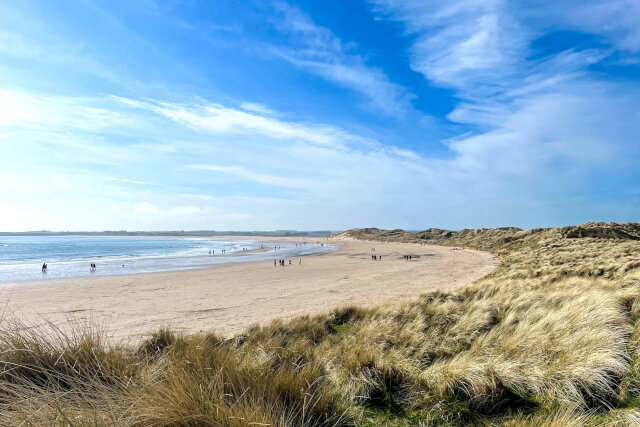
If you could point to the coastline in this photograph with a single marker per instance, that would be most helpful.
(71, 266)
(229, 297)
(204, 266)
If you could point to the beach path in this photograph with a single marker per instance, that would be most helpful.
(227, 298)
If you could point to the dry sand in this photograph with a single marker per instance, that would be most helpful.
(229, 297)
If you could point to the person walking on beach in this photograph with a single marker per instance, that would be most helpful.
(274, 262)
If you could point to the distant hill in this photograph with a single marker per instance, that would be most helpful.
(493, 239)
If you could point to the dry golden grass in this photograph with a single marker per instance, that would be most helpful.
(551, 338)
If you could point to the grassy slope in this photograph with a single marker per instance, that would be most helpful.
(550, 338)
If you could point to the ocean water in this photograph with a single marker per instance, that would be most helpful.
(21, 257)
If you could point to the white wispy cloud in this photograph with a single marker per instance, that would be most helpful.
(615, 20)
(244, 174)
(472, 45)
(319, 51)
(258, 108)
(483, 49)
(217, 118)
(129, 181)
(62, 112)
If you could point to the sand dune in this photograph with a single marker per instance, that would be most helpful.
(230, 297)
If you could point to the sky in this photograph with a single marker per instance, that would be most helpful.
(266, 115)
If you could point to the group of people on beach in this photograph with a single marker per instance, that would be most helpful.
(213, 252)
(376, 257)
(282, 262)
(407, 257)
(92, 266)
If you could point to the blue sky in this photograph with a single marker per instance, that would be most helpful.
(318, 115)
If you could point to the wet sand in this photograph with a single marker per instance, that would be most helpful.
(227, 298)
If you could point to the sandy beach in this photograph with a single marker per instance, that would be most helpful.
(229, 297)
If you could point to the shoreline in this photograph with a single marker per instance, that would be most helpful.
(239, 254)
(229, 297)
(164, 263)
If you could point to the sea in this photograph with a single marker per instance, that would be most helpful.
(21, 257)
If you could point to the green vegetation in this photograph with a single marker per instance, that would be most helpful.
(551, 338)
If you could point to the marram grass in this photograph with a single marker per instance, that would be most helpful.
(551, 338)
